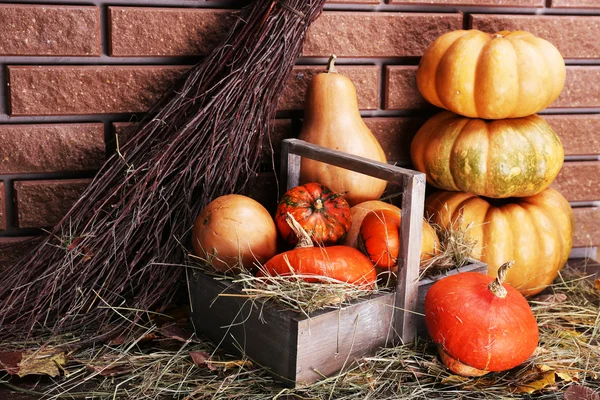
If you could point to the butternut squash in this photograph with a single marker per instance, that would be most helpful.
(332, 120)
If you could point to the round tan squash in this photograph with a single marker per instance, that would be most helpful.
(234, 230)
(491, 76)
(332, 119)
(499, 158)
(536, 232)
(429, 243)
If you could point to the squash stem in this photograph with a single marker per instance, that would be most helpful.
(496, 285)
(304, 239)
(331, 64)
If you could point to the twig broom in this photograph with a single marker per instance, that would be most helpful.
(119, 244)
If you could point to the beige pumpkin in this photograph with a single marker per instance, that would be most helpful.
(234, 231)
(332, 119)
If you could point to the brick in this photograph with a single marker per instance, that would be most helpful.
(574, 36)
(61, 90)
(581, 89)
(64, 90)
(155, 31)
(490, 3)
(280, 129)
(51, 148)
(578, 132)
(582, 86)
(395, 136)
(354, 1)
(579, 181)
(2, 207)
(401, 90)
(575, 3)
(381, 34)
(45, 203)
(38, 30)
(587, 227)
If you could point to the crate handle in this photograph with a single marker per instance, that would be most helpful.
(411, 225)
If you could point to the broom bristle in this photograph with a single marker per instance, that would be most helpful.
(118, 246)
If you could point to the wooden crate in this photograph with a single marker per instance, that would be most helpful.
(301, 349)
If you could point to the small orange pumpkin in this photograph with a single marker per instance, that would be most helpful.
(379, 239)
(342, 263)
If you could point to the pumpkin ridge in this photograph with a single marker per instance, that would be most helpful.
(451, 157)
(542, 55)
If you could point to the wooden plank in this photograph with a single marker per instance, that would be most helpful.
(411, 230)
(234, 323)
(328, 342)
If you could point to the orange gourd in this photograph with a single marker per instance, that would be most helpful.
(491, 76)
(332, 119)
(341, 263)
(379, 239)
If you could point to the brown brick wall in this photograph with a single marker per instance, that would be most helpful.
(71, 76)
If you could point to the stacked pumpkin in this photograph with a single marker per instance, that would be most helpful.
(493, 158)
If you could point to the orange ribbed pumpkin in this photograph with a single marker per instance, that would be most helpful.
(491, 76)
(535, 231)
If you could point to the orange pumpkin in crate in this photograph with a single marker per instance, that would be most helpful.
(491, 76)
(535, 231)
(322, 213)
(379, 238)
(315, 264)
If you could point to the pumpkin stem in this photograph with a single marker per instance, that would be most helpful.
(496, 285)
(331, 64)
(304, 239)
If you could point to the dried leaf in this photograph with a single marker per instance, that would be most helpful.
(597, 284)
(567, 376)
(547, 378)
(43, 362)
(201, 359)
(9, 361)
(176, 332)
(580, 392)
(231, 364)
(551, 298)
(544, 368)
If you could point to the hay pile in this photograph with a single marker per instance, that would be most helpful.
(164, 360)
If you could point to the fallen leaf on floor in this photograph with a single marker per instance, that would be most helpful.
(44, 362)
(547, 379)
(551, 298)
(176, 332)
(597, 284)
(232, 364)
(201, 359)
(9, 361)
(568, 376)
(580, 392)
(544, 368)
